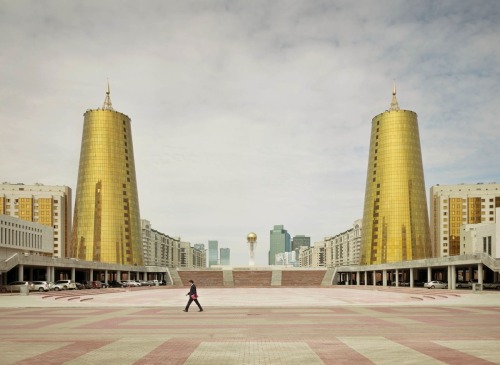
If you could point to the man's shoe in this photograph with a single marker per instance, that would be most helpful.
(201, 310)
(184, 310)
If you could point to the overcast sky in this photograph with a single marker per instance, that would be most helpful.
(249, 114)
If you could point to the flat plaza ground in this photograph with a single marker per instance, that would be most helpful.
(339, 325)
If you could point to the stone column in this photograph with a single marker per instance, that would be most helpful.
(452, 282)
(106, 276)
(429, 273)
(20, 271)
(384, 277)
(73, 273)
(480, 275)
(47, 274)
(397, 278)
(358, 277)
(411, 278)
(374, 279)
(366, 278)
(91, 275)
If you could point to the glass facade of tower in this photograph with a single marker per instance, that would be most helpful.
(395, 219)
(225, 256)
(213, 253)
(279, 242)
(107, 225)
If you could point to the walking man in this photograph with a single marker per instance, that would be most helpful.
(192, 296)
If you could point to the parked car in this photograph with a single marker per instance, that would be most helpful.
(131, 283)
(401, 283)
(104, 285)
(15, 286)
(92, 284)
(41, 286)
(436, 284)
(65, 285)
(492, 286)
(116, 284)
(85, 284)
(96, 284)
(464, 284)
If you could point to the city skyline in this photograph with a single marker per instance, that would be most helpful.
(249, 115)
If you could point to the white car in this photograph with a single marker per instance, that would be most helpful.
(436, 284)
(64, 285)
(464, 284)
(131, 283)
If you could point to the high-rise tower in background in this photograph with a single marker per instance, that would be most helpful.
(395, 219)
(213, 253)
(279, 242)
(225, 256)
(106, 223)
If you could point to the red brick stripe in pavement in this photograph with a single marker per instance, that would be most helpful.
(442, 353)
(63, 354)
(171, 352)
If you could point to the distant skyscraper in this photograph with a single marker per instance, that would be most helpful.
(225, 256)
(199, 246)
(279, 242)
(300, 240)
(213, 253)
(106, 223)
(395, 219)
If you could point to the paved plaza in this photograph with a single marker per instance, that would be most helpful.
(339, 325)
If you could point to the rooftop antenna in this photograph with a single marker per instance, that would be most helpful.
(107, 101)
(394, 102)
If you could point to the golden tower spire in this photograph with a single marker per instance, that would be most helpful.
(394, 102)
(107, 101)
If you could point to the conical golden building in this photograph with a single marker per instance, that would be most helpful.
(395, 218)
(107, 224)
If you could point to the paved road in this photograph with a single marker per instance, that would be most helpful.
(252, 326)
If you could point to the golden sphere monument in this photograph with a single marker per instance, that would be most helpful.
(252, 243)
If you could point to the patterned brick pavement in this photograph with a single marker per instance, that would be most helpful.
(443, 330)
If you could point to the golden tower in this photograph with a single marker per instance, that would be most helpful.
(395, 218)
(107, 224)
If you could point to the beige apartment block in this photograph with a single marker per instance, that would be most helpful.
(44, 204)
(453, 206)
(314, 256)
(481, 238)
(344, 249)
(159, 248)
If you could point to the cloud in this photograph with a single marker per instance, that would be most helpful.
(249, 114)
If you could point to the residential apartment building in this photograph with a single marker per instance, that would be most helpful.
(44, 204)
(344, 249)
(314, 256)
(190, 257)
(455, 205)
(481, 238)
(159, 248)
